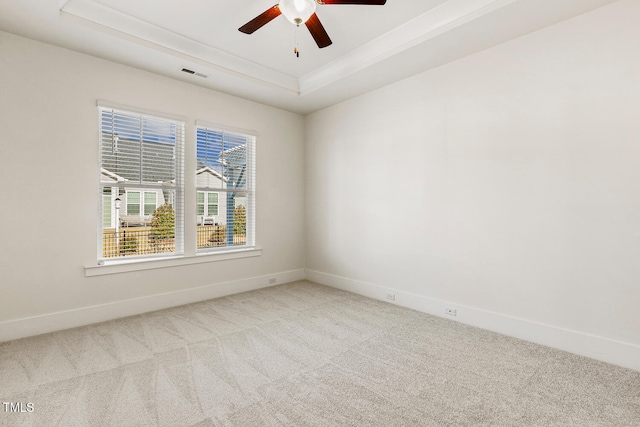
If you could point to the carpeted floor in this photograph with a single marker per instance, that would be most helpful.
(302, 354)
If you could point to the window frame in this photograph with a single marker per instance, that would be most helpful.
(130, 203)
(186, 255)
(120, 186)
(142, 201)
(206, 204)
(248, 191)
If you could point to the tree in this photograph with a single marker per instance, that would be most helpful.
(163, 223)
(240, 220)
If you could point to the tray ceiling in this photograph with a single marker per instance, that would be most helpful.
(372, 45)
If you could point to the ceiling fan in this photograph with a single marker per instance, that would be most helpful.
(299, 12)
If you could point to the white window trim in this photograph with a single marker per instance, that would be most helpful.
(178, 189)
(122, 265)
(251, 187)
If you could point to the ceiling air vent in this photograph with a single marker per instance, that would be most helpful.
(188, 71)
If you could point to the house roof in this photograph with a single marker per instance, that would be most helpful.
(121, 162)
(207, 169)
(111, 175)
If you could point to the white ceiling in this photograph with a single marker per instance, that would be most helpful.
(372, 45)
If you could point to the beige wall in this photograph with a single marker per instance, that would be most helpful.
(49, 127)
(513, 178)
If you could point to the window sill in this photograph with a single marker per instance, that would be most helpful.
(124, 266)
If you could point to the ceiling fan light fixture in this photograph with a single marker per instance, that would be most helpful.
(297, 11)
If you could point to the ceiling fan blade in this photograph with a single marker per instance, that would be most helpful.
(369, 2)
(260, 20)
(317, 31)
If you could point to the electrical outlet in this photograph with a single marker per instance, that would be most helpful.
(450, 311)
(391, 297)
(272, 280)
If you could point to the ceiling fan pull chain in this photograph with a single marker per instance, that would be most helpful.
(295, 47)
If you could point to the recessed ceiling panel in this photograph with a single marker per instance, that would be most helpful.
(372, 45)
(215, 23)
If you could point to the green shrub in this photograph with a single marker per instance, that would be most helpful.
(240, 220)
(163, 223)
(128, 244)
(219, 235)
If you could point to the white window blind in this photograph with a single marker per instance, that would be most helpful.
(225, 181)
(141, 185)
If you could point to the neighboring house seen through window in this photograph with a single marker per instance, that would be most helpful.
(141, 184)
(225, 184)
(142, 187)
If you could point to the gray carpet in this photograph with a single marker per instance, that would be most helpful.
(302, 354)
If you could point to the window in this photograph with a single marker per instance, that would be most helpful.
(225, 189)
(141, 214)
(135, 203)
(150, 200)
(107, 217)
(141, 184)
(207, 204)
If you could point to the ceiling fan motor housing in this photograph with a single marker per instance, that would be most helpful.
(297, 11)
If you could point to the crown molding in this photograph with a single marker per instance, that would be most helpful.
(433, 23)
(133, 29)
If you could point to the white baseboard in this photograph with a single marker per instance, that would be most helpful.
(592, 346)
(36, 325)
